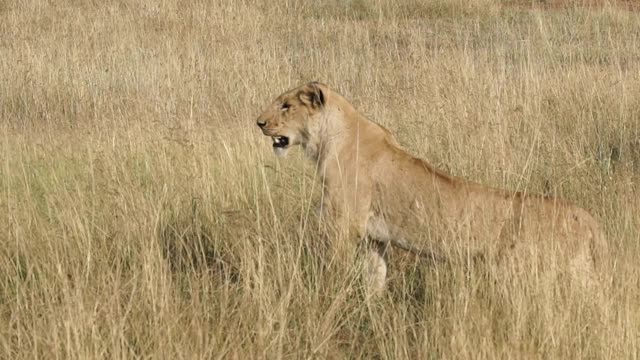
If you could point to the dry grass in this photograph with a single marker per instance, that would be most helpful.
(145, 216)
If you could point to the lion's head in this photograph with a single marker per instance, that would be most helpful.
(289, 118)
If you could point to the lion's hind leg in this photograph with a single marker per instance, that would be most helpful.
(582, 272)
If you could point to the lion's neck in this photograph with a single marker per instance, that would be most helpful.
(322, 139)
(327, 135)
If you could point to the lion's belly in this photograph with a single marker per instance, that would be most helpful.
(472, 229)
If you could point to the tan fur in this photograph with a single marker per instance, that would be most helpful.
(377, 190)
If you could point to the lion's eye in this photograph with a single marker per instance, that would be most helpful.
(285, 106)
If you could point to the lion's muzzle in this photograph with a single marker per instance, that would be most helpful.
(279, 141)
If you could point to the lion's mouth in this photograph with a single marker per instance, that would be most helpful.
(280, 141)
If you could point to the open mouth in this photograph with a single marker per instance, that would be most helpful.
(280, 141)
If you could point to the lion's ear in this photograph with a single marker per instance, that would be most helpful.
(313, 95)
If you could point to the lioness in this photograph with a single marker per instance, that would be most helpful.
(383, 194)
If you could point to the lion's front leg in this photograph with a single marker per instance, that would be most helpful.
(352, 241)
(376, 267)
(371, 252)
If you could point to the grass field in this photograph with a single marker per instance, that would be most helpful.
(145, 216)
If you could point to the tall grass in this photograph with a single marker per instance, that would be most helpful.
(145, 215)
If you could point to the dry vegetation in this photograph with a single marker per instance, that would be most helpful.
(144, 214)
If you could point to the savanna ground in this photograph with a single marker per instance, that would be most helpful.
(145, 216)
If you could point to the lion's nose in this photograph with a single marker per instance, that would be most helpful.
(262, 123)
